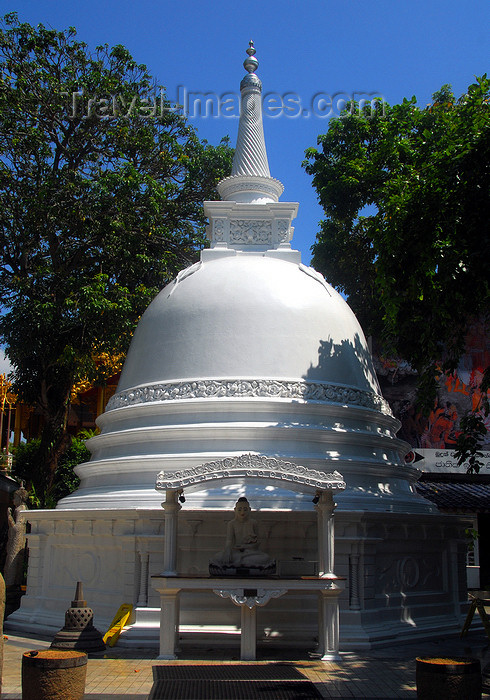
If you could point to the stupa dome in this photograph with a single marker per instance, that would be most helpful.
(242, 316)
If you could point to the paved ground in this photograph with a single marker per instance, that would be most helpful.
(120, 673)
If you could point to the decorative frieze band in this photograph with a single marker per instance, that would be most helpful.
(241, 183)
(249, 231)
(249, 388)
(250, 466)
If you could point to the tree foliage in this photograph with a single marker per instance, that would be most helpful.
(26, 468)
(406, 193)
(101, 185)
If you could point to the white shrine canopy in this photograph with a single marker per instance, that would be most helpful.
(252, 468)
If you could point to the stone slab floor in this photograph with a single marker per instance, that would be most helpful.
(382, 674)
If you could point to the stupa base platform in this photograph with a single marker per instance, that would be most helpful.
(405, 576)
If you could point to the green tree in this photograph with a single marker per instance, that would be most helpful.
(406, 193)
(101, 184)
(26, 468)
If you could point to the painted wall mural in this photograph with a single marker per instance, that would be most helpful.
(457, 393)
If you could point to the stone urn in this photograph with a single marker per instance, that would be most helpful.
(451, 678)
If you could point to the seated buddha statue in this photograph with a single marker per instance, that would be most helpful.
(241, 555)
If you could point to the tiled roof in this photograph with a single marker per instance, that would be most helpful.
(461, 497)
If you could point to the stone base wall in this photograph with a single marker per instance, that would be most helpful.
(404, 574)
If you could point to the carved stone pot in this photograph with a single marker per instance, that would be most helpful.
(50, 674)
(451, 678)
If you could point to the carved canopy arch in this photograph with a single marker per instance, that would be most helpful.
(255, 467)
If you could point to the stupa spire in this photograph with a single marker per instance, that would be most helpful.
(249, 218)
(250, 154)
(250, 179)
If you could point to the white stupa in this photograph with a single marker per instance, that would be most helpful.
(249, 352)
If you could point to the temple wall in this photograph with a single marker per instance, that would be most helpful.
(404, 574)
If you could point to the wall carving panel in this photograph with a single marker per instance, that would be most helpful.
(397, 574)
(251, 231)
(283, 230)
(219, 230)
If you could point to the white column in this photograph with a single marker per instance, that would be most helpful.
(177, 625)
(326, 534)
(169, 622)
(37, 554)
(321, 626)
(171, 508)
(354, 581)
(329, 630)
(248, 636)
(321, 548)
(143, 581)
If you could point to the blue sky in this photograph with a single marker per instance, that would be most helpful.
(389, 48)
(392, 48)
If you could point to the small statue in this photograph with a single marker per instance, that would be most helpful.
(241, 555)
(14, 563)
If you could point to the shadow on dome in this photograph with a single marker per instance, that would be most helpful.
(348, 362)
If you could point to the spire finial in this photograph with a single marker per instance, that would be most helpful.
(251, 64)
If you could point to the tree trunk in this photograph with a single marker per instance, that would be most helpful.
(54, 438)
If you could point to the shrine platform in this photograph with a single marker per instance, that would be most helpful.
(250, 593)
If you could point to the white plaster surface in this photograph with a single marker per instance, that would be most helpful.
(249, 316)
(247, 353)
(402, 573)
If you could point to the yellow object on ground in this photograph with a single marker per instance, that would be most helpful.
(117, 625)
